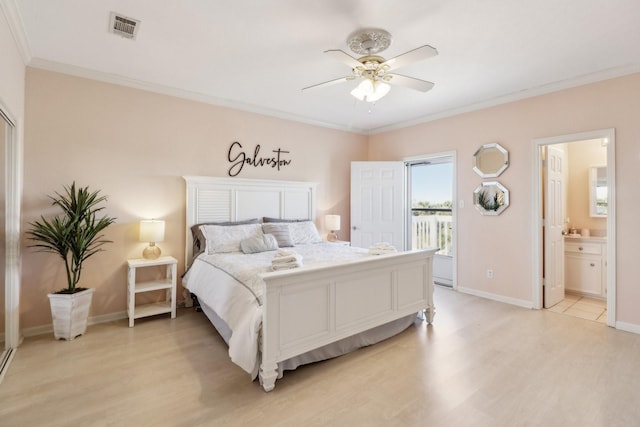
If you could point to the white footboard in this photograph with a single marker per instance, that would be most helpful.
(307, 308)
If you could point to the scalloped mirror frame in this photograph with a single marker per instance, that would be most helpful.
(490, 160)
(494, 191)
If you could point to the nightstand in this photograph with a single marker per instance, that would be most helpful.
(168, 283)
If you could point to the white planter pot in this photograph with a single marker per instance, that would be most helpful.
(70, 313)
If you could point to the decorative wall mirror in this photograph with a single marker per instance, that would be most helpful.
(490, 160)
(491, 198)
(598, 189)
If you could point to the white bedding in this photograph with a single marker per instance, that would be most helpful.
(236, 294)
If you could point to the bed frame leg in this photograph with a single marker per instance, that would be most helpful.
(187, 298)
(429, 314)
(268, 376)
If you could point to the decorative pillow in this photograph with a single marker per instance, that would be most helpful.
(280, 231)
(304, 232)
(252, 245)
(199, 240)
(227, 238)
(269, 219)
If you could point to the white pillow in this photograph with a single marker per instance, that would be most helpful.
(227, 238)
(304, 232)
(254, 245)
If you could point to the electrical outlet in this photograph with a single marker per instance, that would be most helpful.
(489, 273)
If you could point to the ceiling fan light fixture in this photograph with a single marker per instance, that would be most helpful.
(370, 90)
(373, 71)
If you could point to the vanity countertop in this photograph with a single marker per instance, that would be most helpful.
(579, 238)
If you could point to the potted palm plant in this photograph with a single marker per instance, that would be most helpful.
(75, 235)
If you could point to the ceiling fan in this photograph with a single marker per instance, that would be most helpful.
(374, 70)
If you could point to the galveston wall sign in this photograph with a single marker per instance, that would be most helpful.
(238, 158)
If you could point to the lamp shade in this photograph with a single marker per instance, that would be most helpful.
(332, 222)
(151, 230)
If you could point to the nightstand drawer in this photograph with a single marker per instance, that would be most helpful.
(583, 248)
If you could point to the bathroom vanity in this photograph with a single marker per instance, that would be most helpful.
(585, 264)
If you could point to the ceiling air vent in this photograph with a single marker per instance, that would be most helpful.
(123, 26)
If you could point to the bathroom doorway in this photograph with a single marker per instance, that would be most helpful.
(572, 274)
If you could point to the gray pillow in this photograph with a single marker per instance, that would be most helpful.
(280, 230)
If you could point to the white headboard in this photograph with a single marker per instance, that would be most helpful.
(211, 199)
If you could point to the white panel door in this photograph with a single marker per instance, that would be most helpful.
(554, 224)
(377, 203)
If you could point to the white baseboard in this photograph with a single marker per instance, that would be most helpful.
(94, 320)
(623, 326)
(103, 318)
(494, 297)
(628, 327)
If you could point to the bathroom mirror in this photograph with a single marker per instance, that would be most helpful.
(491, 198)
(598, 189)
(490, 160)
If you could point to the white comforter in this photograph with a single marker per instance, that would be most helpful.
(238, 300)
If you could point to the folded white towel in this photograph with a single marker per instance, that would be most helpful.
(382, 248)
(286, 259)
(283, 253)
(286, 266)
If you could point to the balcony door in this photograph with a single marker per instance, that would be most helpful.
(431, 222)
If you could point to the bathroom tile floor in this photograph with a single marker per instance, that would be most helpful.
(582, 307)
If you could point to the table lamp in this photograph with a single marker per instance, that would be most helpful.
(332, 223)
(151, 231)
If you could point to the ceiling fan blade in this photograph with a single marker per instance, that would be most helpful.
(330, 82)
(410, 82)
(418, 54)
(344, 57)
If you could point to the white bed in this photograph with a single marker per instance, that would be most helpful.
(306, 314)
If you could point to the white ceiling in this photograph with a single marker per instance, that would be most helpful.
(256, 55)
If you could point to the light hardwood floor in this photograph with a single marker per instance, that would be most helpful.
(481, 363)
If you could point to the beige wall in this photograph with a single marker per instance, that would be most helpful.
(503, 243)
(581, 156)
(135, 146)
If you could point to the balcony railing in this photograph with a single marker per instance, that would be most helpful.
(428, 231)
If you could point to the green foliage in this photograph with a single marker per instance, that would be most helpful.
(486, 203)
(76, 234)
(429, 205)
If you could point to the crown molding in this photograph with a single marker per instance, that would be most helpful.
(16, 27)
(179, 93)
(516, 96)
(222, 102)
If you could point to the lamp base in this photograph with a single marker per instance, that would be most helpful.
(151, 252)
(332, 236)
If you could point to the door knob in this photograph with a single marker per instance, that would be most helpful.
(354, 228)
